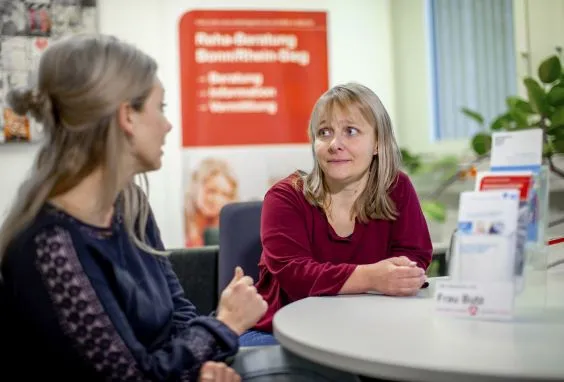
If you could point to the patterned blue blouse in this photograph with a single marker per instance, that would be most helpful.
(86, 304)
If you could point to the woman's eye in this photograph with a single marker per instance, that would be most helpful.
(352, 130)
(163, 106)
(324, 132)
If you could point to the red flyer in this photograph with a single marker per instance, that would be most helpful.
(523, 181)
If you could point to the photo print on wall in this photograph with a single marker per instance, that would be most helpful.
(27, 27)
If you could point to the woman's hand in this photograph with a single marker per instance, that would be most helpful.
(396, 276)
(218, 372)
(240, 306)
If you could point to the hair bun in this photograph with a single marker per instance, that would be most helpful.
(32, 101)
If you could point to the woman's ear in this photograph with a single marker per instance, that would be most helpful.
(375, 150)
(126, 117)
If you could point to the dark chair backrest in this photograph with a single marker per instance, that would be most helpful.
(211, 236)
(196, 269)
(239, 240)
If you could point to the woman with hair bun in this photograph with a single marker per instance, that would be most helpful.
(88, 292)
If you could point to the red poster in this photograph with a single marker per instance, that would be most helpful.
(250, 77)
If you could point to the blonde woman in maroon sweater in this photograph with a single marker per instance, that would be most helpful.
(353, 224)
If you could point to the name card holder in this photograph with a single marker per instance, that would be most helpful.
(475, 299)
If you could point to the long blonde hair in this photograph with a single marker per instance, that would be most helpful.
(374, 202)
(81, 82)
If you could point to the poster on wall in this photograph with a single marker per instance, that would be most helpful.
(249, 80)
(27, 27)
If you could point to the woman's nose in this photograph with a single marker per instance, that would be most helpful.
(336, 143)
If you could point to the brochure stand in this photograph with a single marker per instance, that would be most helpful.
(499, 253)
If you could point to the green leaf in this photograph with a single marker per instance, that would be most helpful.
(558, 145)
(434, 210)
(556, 137)
(519, 104)
(555, 96)
(547, 149)
(537, 96)
(557, 118)
(481, 143)
(519, 117)
(550, 69)
(536, 120)
(405, 154)
(473, 115)
(556, 131)
(433, 270)
(411, 163)
(503, 122)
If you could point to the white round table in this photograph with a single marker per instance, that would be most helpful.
(402, 338)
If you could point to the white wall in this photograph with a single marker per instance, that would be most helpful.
(412, 71)
(359, 50)
(542, 31)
